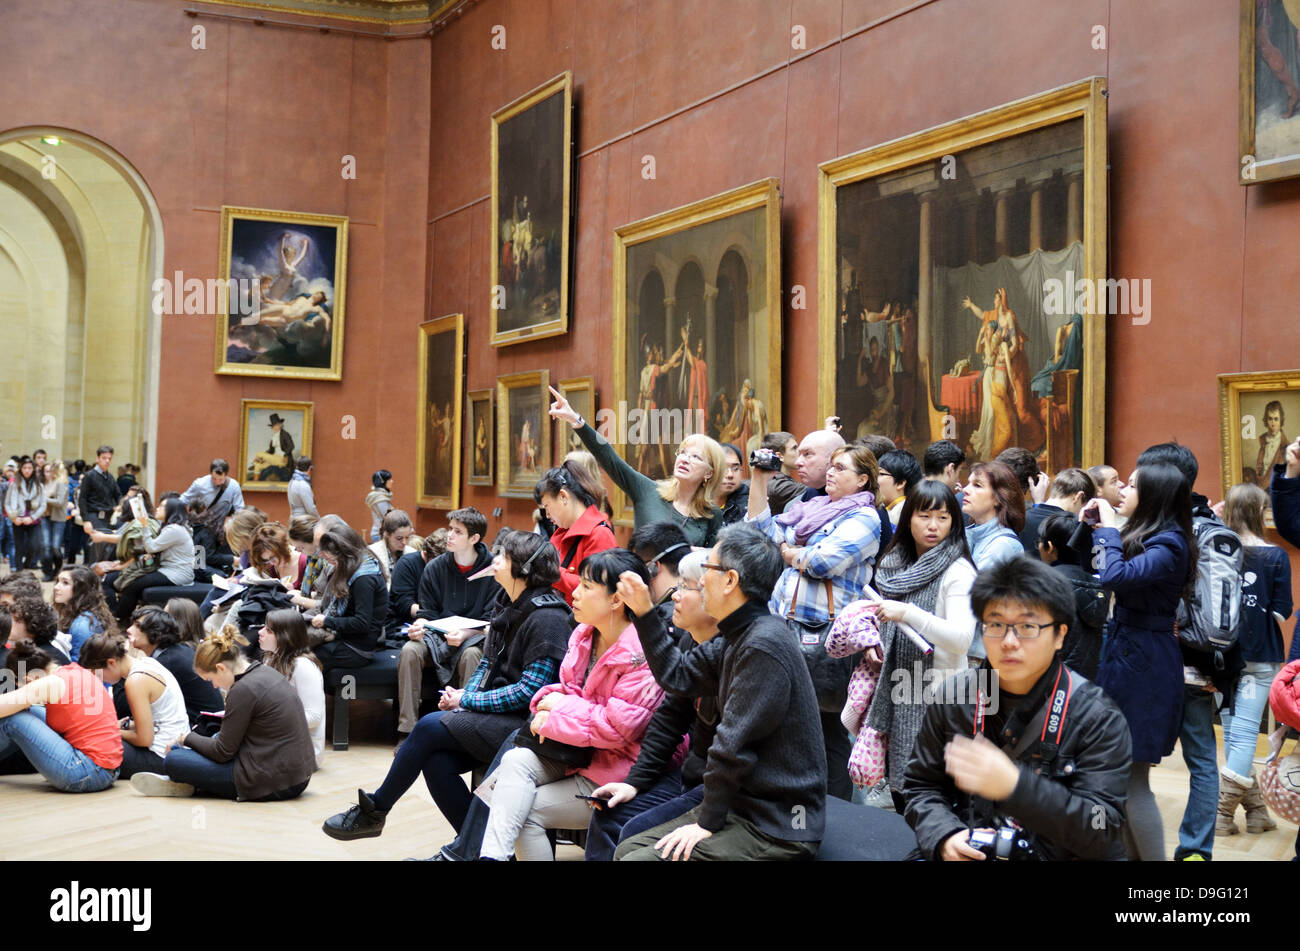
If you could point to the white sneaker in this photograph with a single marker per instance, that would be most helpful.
(155, 784)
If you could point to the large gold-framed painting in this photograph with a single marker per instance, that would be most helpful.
(481, 432)
(962, 290)
(273, 436)
(532, 175)
(523, 432)
(697, 328)
(1269, 91)
(1254, 410)
(284, 276)
(442, 348)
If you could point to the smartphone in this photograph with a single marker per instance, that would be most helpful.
(596, 799)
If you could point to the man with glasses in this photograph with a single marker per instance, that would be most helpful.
(765, 773)
(1036, 748)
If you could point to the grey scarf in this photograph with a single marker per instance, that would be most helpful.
(917, 584)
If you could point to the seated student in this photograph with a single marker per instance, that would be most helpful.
(603, 702)
(76, 744)
(766, 766)
(1082, 650)
(155, 633)
(447, 591)
(263, 751)
(79, 604)
(286, 649)
(526, 639)
(570, 502)
(189, 622)
(35, 621)
(157, 708)
(174, 547)
(404, 585)
(353, 621)
(978, 765)
(394, 541)
(655, 778)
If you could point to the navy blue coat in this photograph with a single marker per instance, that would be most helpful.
(1142, 669)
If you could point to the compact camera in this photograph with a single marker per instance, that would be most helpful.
(1004, 844)
(765, 460)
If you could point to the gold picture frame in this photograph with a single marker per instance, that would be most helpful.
(480, 431)
(285, 445)
(442, 360)
(523, 432)
(273, 261)
(1267, 87)
(721, 257)
(952, 191)
(532, 155)
(581, 394)
(1249, 450)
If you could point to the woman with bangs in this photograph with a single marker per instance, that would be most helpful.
(685, 498)
(567, 497)
(996, 506)
(79, 603)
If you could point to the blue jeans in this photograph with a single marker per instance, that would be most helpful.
(606, 824)
(190, 766)
(663, 813)
(465, 847)
(52, 535)
(432, 750)
(7, 541)
(1196, 834)
(1241, 730)
(65, 767)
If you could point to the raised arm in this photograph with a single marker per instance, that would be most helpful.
(620, 473)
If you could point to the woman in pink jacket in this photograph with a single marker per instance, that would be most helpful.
(602, 704)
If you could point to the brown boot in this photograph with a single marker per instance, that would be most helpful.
(1257, 817)
(1230, 794)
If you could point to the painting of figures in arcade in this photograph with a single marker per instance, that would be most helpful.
(956, 313)
(697, 326)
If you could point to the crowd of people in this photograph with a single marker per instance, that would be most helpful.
(1002, 652)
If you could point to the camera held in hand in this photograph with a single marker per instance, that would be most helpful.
(765, 460)
(1003, 844)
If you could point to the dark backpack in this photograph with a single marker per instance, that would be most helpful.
(1207, 621)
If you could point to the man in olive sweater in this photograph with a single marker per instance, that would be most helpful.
(765, 777)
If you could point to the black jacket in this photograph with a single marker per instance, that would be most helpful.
(445, 592)
(1034, 517)
(1082, 648)
(98, 493)
(361, 623)
(1073, 804)
(403, 588)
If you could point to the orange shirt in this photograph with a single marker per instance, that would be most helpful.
(85, 716)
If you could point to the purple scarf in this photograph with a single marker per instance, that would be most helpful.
(809, 517)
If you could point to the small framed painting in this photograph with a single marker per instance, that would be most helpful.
(442, 348)
(581, 394)
(480, 433)
(1254, 409)
(273, 434)
(523, 432)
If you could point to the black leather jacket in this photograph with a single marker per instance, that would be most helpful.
(1072, 802)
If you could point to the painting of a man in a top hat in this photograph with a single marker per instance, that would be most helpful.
(274, 434)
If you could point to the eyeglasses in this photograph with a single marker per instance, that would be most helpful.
(713, 567)
(1024, 630)
(837, 467)
(687, 586)
(693, 456)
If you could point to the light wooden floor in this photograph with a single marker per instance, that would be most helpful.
(39, 823)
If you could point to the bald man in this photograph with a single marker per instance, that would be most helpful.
(814, 458)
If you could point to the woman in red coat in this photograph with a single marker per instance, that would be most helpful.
(570, 501)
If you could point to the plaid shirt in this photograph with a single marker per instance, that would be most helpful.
(512, 698)
(843, 551)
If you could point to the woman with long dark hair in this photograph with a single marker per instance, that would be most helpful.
(379, 500)
(1150, 567)
(25, 504)
(156, 633)
(924, 579)
(174, 547)
(353, 619)
(79, 603)
(285, 647)
(580, 526)
(996, 505)
(395, 531)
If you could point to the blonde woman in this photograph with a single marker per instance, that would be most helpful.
(685, 498)
(56, 516)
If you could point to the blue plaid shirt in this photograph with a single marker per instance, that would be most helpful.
(842, 551)
(514, 697)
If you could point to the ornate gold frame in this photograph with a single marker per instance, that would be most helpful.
(340, 223)
(423, 497)
(1252, 172)
(561, 83)
(765, 194)
(578, 384)
(1085, 99)
(304, 450)
(473, 399)
(1231, 386)
(540, 379)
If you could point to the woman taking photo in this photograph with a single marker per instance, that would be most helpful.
(56, 517)
(1266, 596)
(379, 500)
(155, 633)
(527, 635)
(157, 716)
(76, 744)
(685, 498)
(79, 603)
(580, 526)
(283, 639)
(263, 751)
(395, 533)
(25, 504)
(924, 580)
(603, 701)
(353, 621)
(1149, 567)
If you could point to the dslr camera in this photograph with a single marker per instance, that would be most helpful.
(1003, 844)
(765, 460)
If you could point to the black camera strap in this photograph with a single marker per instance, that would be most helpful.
(1053, 719)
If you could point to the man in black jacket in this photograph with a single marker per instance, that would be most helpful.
(446, 591)
(98, 497)
(985, 757)
(765, 777)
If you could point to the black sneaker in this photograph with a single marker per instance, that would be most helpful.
(362, 821)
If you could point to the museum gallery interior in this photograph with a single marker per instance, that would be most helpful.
(379, 233)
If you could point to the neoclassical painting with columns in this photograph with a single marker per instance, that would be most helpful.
(697, 328)
(960, 271)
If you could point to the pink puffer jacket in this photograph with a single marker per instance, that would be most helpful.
(610, 711)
